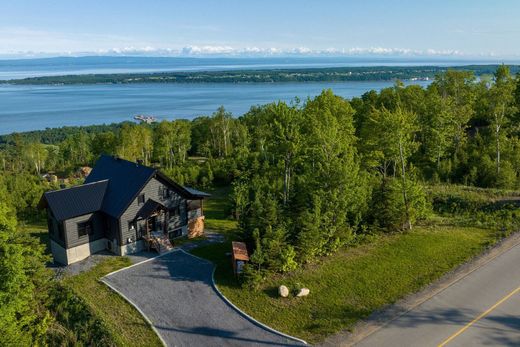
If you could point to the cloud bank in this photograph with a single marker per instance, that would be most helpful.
(209, 50)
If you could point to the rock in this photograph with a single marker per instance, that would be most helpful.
(283, 291)
(303, 292)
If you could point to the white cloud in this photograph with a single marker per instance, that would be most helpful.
(14, 42)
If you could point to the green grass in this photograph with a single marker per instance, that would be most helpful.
(125, 323)
(349, 285)
(217, 210)
(345, 287)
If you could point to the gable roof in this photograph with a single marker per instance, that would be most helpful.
(123, 182)
(126, 179)
(149, 207)
(75, 201)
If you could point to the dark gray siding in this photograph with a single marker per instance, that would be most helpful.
(53, 225)
(71, 229)
(112, 232)
(152, 190)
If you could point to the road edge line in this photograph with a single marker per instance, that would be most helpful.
(352, 338)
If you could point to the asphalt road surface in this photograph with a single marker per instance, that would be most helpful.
(176, 294)
(482, 309)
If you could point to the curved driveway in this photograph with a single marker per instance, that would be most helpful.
(175, 292)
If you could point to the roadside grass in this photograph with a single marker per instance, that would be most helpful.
(125, 324)
(352, 283)
(344, 287)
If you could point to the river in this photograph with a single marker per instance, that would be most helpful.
(29, 107)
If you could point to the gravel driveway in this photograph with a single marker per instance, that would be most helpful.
(175, 292)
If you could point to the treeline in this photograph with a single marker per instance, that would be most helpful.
(306, 176)
(324, 170)
(335, 74)
(52, 136)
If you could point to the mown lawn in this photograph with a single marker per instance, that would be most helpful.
(352, 283)
(125, 323)
(217, 210)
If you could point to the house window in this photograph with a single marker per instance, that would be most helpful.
(140, 199)
(131, 226)
(166, 193)
(176, 211)
(84, 228)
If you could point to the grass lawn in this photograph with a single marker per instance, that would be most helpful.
(127, 326)
(352, 283)
(345, 287)
(217, 211)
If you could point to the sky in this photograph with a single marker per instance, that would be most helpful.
(443, 28)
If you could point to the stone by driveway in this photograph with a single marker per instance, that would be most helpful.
(175, 292)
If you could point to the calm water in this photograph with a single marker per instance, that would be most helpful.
(24, 108)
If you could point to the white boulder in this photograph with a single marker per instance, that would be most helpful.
(303, 292)
(283, 291)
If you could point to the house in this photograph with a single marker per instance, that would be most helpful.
(121, 207)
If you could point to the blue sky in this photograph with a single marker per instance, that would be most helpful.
(262, 27)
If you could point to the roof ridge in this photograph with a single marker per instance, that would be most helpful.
(116, 158)
(78, 186)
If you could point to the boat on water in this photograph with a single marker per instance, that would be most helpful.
(145, 119)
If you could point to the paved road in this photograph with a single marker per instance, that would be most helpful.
(175, 292)
(482, 309)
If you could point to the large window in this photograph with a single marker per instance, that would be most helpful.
(140, 199)
(166, 193)
(175, 211)
(84, 228)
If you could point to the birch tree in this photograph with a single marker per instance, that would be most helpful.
(393, 134)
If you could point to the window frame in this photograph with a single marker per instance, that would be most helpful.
(141, 199)
(166, 193)
(175, 211)
(84, 228)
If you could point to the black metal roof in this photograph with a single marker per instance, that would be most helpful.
(196, 193)
(111, 187)
(75, 201)
(126, 179)
(149, 207)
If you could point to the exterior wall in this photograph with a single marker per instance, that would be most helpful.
(71, 229)
(194, 214)
(131, 248)
(112, 233)
(59, 253)
(75, 254)
(53, 226)
(153, 190)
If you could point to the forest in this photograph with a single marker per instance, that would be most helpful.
(333, 74)
(306, 176)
